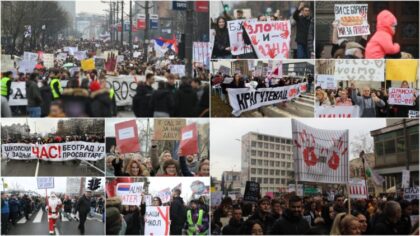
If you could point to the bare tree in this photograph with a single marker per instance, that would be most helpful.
(361, 142)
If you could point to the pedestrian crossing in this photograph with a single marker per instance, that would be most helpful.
(39, 218)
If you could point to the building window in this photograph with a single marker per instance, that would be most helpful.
(277, 140)
(400, 144)
(277, 164)
(266, 172)
(289, 141)
(259, 137)
(271, 139)
(277, 172)
(266, 180)
(277, 181)
(379, 148)
(260, 153)
(271, 146)
(283, 156)
(253, 152)
(277, 155)
(390, 146)
(260, 171)
(265, 163)
(265, 154)
(289, 157)
(265, 145)
(272, 154)
(253, 161)
(288, 148)
(259, 162)
(259, 180)
(260, 145)
(283, 181)
(283, 173)
(253, 171)
(288, 165)
(265, 138)
(253, 144)
(290, 173)
(414, 141)
(271, 181)
(253, 179)
(283, 164)
(277, 147)
(271, 172)
(282, 147)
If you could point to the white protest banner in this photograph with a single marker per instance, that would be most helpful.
(352, 19)
(45, 182)
(201, 54)
(54, 151)
(411, 193)
(120, 58)
(177, 70)
(62, 56)
(337, 111)
(148, 200)
(136, 54)
(18, 95)
(7, 63)
(405, 183)
(72, 50)
(357, 188)
(30, 56)
(297, 188)
(237, 45)
(130, 193)
(363, 70)
(157, 220)
(48, 59)
(270, 39)
(413, 114)
(326, 81)
(124, 87)
(401, 96)
(246, 99)
(80, 55)
(320, 155)
(26, 66)
(165, 195)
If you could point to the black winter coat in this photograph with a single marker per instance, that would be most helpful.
(101, 104)
(221, 42)
(233, 228)
(302, 27)
(163, 101)
(384, 227)
(186, 101)
(267, 222)
(289, 224)
(141, 101)
(178, 215)
(83, 205)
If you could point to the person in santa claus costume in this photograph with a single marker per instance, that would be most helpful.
(53, 209)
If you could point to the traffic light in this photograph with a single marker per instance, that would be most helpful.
(90, 184)
(96, 184)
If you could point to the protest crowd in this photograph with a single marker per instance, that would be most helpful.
(93, 78)
(316, 215)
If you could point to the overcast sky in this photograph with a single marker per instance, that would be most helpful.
(226, 150)
(39, 125)
(159, 183)
(30, 183)
(95, 7)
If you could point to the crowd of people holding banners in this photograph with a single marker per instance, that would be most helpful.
(97, 79)
(351, 37)
(244, 35)
(319, 214)
(130, 211)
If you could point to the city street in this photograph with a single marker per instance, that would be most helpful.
(42, 168)
(38, 225)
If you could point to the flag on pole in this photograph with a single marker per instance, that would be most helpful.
(320, 155)
(376, 178)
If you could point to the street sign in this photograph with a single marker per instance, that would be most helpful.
(179, 5)
(154, 22)
(45, 182)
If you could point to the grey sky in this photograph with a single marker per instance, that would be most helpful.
(226, 150)
(95, 7)
(39, 125)
(159, 183)
(30, 183)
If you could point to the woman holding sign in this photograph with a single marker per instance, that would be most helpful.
(134, 168)
(221, 49)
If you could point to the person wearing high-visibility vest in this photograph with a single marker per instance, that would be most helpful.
(6, 83)
(55, 85)
(197, 220)
(111, 93)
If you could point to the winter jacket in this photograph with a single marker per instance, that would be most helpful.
(163, 101)
(267, 221)
(185, 101)
(46, 100)
(83, 205)
(381, 42)
(203, 106)
(135, 223)
(289, 224)
(13, 205)
(5, 208)
(384, 227)
(233, 228)
(404, 225)
(364, 102)
(101, 104)
(141, 101)
(33, 94)
(76, 102)
(67, 205)
(302, 27)
(221, 42)
(178, 215)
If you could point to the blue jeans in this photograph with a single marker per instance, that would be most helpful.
(34, 111)
(302, 51)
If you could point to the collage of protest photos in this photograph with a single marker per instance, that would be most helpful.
(110, 111)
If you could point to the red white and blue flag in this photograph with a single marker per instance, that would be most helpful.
(162, 45)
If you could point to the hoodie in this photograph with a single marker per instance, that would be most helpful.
(381, 43)
(290, 224)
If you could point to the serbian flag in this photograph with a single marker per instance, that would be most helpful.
(189, 140)
(126, 137)
(112, 185)
(163, 44)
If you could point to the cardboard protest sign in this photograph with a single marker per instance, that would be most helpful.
(246, 99)
(126, 136)
(99, 63)
(62, 56)
(48, 60)
(337, 112)
(326, 81)
(252, 191)
(297, 188)
(45, 182)
(120, 58)
(165, 195)
(157, 220)
(357, 188)
(320, 155)
(130, 193)
(401, 96)
(411, 193)
(270, 39)
(168, 129)
(54, 151)
(88, 64)
(352, 19)
(397, 69)
(177, 70)
(189, 140)
(361, 70)
(7, 63)
(237, 44)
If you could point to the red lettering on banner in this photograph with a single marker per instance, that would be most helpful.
(35, 151)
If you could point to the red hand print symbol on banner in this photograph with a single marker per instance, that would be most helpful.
(308, 146)
(285, 34)
(254, 39)
(338, 148)
(272, 53)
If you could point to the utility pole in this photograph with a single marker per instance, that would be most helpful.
(122, 23)
(130, 32)
(407, 145)
(116, 20)
(189, 38)
(110, 26)
(146, 30)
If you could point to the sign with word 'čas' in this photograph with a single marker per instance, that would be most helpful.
(168, 129)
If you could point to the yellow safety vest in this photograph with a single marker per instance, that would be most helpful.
(111, 93)
(4, 91)
(54, 93)
(191, 226)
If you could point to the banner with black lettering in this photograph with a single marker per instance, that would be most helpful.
(246, 99)
(54, 151)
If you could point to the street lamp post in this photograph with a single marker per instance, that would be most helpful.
(130, 37)
(189, 38)
(122, 23)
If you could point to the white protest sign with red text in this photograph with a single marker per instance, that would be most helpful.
(352, 19)
(237, 44)
(270, 39)
(357, 188)
(401, 96)
(130, 193)
(189, 140)
(337, 112)
(157, 220)
(126, 137)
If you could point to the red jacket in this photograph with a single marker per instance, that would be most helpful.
(381, 42)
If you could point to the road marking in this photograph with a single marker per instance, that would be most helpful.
(38, 217)
(22, 221)
(37, 167)
(64, 219)
(56, 231)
